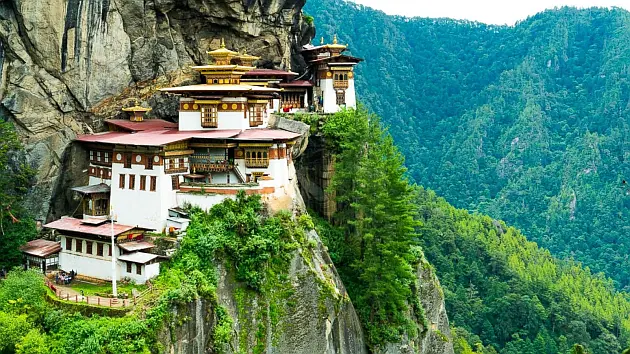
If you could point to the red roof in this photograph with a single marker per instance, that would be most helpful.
(297, 83)
(266, 134)
(155, 137)
(41, 248)
(338, 59)
(149, 124)
(269, 72)
(77, 225)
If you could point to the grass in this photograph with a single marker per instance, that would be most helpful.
(90, 289)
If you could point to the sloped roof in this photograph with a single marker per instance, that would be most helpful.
(149, 124)
(156, 137)
(94, 189)
(41, 248)
(266, 134)
(269, 72)
(136, 246)
(138, 257)
(218, 88)
(77, 225)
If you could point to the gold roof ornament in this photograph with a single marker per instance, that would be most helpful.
(222, 56)
(322, 41)
(136, 108)
(335, 41)
(137, 112)
(246, 59)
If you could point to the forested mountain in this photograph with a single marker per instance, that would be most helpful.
(529, 124)
(503, 293)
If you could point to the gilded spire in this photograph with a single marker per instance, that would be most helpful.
(222, 42)
(322, 41)
(335, 41)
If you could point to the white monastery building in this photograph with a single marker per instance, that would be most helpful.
(144, 171)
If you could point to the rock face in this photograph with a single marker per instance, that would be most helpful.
(67, 64)
(309, 313)
(435, 335)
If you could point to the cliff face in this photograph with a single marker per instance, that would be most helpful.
(308, 313)
(67, 64)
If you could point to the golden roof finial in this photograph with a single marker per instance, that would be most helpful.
(137, 103)
(335, 41)
(322, 41)
(222, 42)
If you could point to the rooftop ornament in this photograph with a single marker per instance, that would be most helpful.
(137, 112)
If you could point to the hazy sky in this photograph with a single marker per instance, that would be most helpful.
(487, 11)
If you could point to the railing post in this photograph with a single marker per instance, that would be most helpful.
(98, 301)
(76, 298)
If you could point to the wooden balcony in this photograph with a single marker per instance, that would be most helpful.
(340, 84)
(180, 169)
(257, 163)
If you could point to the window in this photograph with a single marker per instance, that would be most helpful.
(128, 267)
(143, 183)
(209, 116)
(128, 160)
(88, 247)
(153, 185)
(138, 269)
(109, 253)
(132, 181)
(91, 155)
(257, 158)
(149, 164)
(78, 245)
(175, 182)
(99, 249)
(341, 98)
(106, 156)
(68, 244)
(256, 112)
(98, 156)
(121, 181)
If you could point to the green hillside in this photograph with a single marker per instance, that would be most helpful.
(528, 124)
(503, 293)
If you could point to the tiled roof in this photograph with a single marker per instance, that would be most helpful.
(297, 83)
(77, 225)
(266, 134)
(219, 88)
(97, 188)
(155, 137)
(138, 257)
(136, 246)
(149, 124)
(41, 248)
(269, 72)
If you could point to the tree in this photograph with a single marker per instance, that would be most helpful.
(15, 179)
(378, 216)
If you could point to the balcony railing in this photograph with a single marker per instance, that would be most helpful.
(171, 167)
(210, 163)
(340, 84)
(257, 163)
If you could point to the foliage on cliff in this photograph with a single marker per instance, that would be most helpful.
(16, 228)
(373, 246)
(259, 247)
(528, 124)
